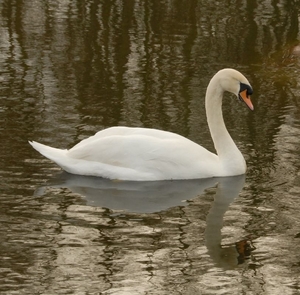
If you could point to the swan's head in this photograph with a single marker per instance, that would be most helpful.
(233, 81)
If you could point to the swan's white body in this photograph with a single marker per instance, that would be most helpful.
(143, 154)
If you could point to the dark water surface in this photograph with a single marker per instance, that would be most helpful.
(71, 68)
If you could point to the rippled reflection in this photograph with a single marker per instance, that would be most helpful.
(155, 196)
(224, 256)
(139, 197)
(138, 250)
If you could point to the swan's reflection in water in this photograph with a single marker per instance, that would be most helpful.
(131, 196)
(225, 256)
(151, 197)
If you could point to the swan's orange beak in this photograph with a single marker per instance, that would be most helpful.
(246, 99)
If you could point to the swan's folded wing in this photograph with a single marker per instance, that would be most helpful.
(147, 154)
(125, 133)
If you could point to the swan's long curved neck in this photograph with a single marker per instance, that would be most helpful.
(228, 153)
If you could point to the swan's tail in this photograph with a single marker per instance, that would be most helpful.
(51, 153)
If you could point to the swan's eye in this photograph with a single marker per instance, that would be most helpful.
(246, 87)
(244, 95)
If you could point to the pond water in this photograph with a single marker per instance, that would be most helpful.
(71, 68)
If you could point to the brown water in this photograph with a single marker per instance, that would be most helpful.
(71, 68)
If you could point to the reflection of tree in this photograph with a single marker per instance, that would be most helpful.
(133, 62)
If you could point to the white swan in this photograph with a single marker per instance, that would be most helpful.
(142, 154)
